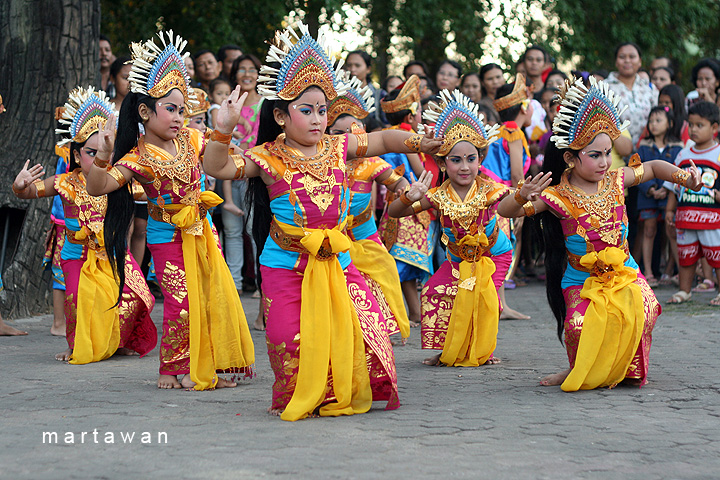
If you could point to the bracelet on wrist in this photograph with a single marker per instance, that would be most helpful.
(405, 199)
(218, 136)
(417, 207)
(18, 191)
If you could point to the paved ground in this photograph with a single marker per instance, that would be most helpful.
(491, 422)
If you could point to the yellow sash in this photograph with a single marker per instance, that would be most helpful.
(330, 334)
(375, 261)
(613, 323)
(97, 331)
(219, 334)
(473, 326)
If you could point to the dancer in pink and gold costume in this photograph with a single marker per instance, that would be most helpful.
(327, 342)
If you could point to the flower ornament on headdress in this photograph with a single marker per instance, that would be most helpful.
(357, 101)
(304, 62)
(585, 113)
(516, 97)
(458, 119)
(158, 69)
(202, 105)
(85, 112)
(407, 99)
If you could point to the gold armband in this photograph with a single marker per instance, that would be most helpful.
(98, 162)
(413, 142)
(680, 177)
(217, 136)
(637, 168)
(394, 177)
(518, 196)
(362, 146)
(117, 175)
(529, 209)
(39, 188)
(239, 162)
(417, 207)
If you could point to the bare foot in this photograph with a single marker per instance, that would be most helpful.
(555, 379)
(432, 360)
(58, 330)
(168, 381)
(510, 314)
(276, 411)
(259, 322)
(187, 382)
(492, 361)
(414, 324)
(7, 330)
(222, 383)
(126, 352)
(64, 356)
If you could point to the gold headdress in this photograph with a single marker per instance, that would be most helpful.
(357, 101)
(585, 113)
(407, 99)
(86, 112)
(202, 106)
(304, 62)
(458, 119)
(157, 70)
(516, 97)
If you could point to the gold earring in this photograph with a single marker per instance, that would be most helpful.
(442, 169)
(281, 123)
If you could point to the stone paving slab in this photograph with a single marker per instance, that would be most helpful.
(489, 422)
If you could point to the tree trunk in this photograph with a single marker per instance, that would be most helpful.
(47, 48)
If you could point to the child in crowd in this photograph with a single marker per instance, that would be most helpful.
(660, 144)
(219, 91)
(696, 215)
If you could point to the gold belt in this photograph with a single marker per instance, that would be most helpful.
(161, 214)
(293, 243)
(362, 217)
(470, 253)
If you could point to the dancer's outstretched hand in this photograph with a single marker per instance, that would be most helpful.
(430, 144)
(695, 181)
(106, 140)
(229, 113)
(422, 185)
(27, 176)
(534, 186)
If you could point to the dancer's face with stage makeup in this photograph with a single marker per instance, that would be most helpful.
(306, 119)
(167, 119)
(594, 160)
(462, 164)
(86, 155)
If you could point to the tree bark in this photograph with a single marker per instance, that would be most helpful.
(47, 48)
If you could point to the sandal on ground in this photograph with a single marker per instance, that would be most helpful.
(715, 302)
(679, 297)
(666, 280)
(705, 286)
(652, 281)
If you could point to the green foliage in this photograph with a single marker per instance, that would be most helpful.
(684, 30)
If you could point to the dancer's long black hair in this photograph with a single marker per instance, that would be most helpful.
(121, 206)
(552, 236)
(257, 194)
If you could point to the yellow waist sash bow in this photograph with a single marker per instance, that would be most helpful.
(472, 330)
(97, 331)
(613, 323)
(330, 334)
(375, 261)
(219, 334)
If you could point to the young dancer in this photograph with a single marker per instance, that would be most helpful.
(98, 323)
(599, 299)
(326, 337)
(460, 305)
(204, 327)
